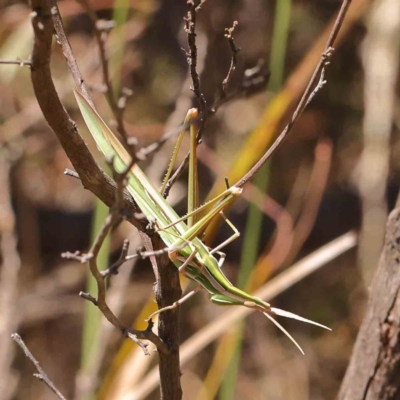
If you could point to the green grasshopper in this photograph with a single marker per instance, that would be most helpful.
(188, 253)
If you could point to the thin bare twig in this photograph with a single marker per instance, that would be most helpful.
(283, 220)
(140, 254)
(254, 80)
(156, 145)
(100, 276)
(67, 51)
(308, 93)
(18, 61)
(42, 376)
(322, 81)
(234, 51)
(190, 29)
(89, 374)
(113, 270)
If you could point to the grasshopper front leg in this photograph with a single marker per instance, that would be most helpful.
(235, 235)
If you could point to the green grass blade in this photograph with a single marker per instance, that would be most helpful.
(255, 216)
(120, 17)
(92, 316)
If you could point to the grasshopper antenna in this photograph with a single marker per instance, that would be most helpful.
(287, 314)
(280, 327)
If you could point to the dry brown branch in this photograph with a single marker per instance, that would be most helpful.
(100, 276)
(88, 376)
(94, 179)
(234, 51)
(41, 375)
(167, 290)
(114, 269)
(192, 56)
(91, 175)
(190, 29)
(174, 125)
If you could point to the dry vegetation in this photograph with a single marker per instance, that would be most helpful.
(337, 173)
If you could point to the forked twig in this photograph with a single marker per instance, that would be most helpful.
(254, 80)
(234, 51)
(100, 276)
(190, 29)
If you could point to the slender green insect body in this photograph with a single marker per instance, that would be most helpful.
(186, 250)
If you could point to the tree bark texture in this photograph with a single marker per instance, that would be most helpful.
(374, 369)
(167, 291)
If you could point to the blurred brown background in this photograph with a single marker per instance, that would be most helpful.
(318, 180)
